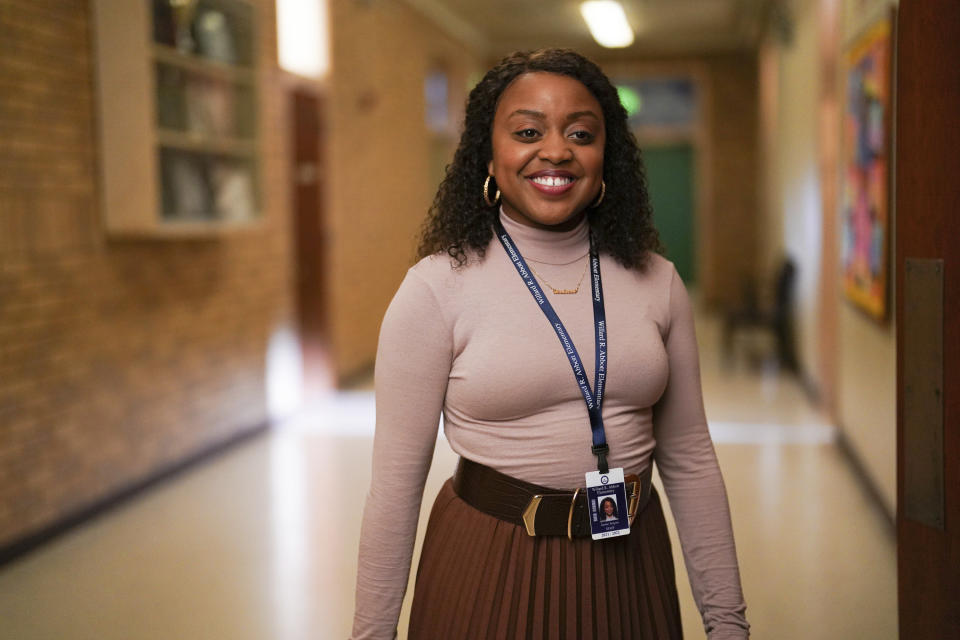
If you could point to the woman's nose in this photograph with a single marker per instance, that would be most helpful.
(555, 149)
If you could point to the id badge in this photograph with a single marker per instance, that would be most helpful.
(607, 501)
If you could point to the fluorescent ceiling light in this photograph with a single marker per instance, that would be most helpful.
(607, 22)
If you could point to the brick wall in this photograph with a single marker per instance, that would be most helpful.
(117, 357)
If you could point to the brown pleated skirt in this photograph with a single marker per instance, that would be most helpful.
(481, 577)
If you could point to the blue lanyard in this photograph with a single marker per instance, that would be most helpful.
(593, 398)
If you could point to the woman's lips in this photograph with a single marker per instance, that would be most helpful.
(552, 182)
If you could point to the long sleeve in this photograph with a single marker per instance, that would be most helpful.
(413, 364)
(688, 466)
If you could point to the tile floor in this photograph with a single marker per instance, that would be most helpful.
(260, 543)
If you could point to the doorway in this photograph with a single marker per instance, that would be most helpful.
(670, 181)
(310, 241)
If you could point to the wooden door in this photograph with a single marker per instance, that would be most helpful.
(928, 275)
(310, 241)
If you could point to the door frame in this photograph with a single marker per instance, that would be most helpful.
(927, 193)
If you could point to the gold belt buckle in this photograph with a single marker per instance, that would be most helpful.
(634, 499)
(530, 514)
(573, 503)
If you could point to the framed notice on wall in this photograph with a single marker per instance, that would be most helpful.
(866, 169)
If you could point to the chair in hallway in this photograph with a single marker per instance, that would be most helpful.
(775, 318)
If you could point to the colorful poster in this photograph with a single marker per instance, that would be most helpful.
(866, 167)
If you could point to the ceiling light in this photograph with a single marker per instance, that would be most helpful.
(607, 22)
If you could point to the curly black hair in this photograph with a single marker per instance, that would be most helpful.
(460, 221)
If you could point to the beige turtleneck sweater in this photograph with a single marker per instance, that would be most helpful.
(473, 344)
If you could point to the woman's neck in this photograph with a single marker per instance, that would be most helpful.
(550, 245)
(566, 225)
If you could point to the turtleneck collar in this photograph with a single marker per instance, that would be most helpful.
(549, 247)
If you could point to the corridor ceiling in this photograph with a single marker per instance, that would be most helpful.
(662, 27)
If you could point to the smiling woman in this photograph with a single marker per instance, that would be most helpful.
(548, 139)
(546, 184)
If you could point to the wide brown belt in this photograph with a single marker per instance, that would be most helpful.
(543, 511)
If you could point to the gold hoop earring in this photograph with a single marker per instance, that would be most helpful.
(603, 192)
(486, 193)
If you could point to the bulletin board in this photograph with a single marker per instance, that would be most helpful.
(866, 169)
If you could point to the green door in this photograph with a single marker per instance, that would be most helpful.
(670, 182)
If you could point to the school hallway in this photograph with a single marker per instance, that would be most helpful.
(207, 206)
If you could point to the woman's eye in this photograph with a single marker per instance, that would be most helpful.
(528, 133)
(582, 136)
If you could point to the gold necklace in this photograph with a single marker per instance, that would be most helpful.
(561, 291)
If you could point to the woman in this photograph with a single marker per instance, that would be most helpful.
(609, 509)
(546, 184)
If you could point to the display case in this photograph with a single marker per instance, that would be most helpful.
(178, 91)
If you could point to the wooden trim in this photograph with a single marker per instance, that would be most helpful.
(224, 146)
(126, 113)
(174, 57)
(176, 229)
(32, 541)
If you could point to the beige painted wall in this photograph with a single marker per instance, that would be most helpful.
(381, 179)
(790, 128)
(796, 181)
(867, 402)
